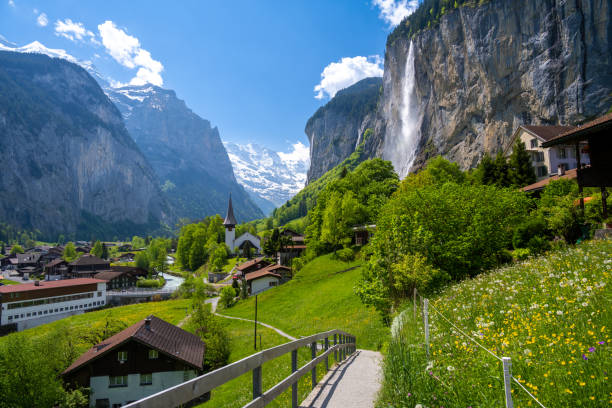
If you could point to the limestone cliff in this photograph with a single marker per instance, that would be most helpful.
(68, 164)
(482, 71)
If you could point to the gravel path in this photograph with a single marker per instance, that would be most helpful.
(353, 383)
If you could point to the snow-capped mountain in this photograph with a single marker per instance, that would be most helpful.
(269, 176)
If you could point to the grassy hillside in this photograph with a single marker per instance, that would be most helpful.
(320, 297)
(551, 315)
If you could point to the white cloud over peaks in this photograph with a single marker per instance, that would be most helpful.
(300, 153)
(347, 71)
(394, 11)
(42, 20)
(73, 31)
(126, 50)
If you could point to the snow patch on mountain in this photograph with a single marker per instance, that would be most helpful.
(269, 175)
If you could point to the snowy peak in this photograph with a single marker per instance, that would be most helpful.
(272, 176)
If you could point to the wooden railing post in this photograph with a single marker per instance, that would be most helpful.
(257, 382)
(327, 357)
(335, 351)
(343, 350)
(294, 386)
(313, 354)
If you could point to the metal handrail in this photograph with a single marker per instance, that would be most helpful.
(197, 387)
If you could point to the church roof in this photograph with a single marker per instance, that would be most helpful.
(230, 220)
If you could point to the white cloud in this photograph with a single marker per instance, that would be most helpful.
(394, 11)
(300, 153)
(73, 31)
(347, 71)
(126, 50)
(11, 3)
(42, 20)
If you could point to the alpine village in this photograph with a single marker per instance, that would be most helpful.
(439, 234)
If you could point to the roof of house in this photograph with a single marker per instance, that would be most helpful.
(547, 132)
(569, 174)
(26, 287)
(276, 267)
(110, 275)
(160, 335)
(230, 220)
(30, 257)
(130, 269)
(88, 259)
(260, 274)
(250, 263)
(580, 132)
(55, 262)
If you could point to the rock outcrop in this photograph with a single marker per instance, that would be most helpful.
(483, 71)
(68, 164)
(336, 129)
(185, 152)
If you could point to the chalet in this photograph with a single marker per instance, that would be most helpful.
(546, 160)
(283, 271)
(245, 240)
(362, 234)
(262, 280)
(88, 265)
(132, 270)
(52, 254)
(85, 249)
(124, 248)
(251, 266)
(127, 257)
(143, 359)
(294, 248)
(32, 304)
(9, 262)
(56, 269)
(28, 264)
(117, 280)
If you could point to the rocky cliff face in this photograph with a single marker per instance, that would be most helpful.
(335, 130)
(485, 70)
(68, 163)
(185, 151)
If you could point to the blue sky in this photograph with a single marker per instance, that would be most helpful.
(250, 67)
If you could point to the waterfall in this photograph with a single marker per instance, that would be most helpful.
(402, 142)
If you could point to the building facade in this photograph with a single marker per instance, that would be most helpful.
(230, 232)
(32, 304)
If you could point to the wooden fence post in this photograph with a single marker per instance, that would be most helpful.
(313, 354)
(508, 381)
(327, 357)
(294, 386)
(426, 322)
(256, 382)
(335, 351)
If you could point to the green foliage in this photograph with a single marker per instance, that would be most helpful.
(412, 271)
(209, 328)
(97, 249)
(227, 296)
(437, 171)
(218, 257)
(69, 253)
(138, 242)
(197, 242)
(521, 171)
(345, 254)
(516, 171)
(526, 231)
(151, 283)
(17, 249)
(275, 243)
(557, 208)
(142, 260)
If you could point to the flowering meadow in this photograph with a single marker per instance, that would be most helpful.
(551, 315)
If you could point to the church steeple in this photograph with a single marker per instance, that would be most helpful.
(230, 220)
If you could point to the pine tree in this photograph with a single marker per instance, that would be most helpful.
(486, 172)
(521, 170)
(104, 252)
(501, 171)
(97, 249)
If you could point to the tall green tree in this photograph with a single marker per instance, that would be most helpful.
(486, 172)
(70, 253)
(97, 249)
(521, 171)
(142, 261)
(502, 171)
(16, 249)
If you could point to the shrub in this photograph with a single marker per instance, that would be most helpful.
(151, 283)
(346, 254)
(413, 271)
(206, 325)
(525, 232)
(227, 296)
(521, 254)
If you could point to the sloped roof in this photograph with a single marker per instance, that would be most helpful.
(30, 257)
(133, 270)
(27, 287)
(547, 132)
(230, 220)
(89, 259)
(55, 262)
(569, 174)
(109, 275)
(260, 273)
(580, 132)
(250, 263)
(161, 335)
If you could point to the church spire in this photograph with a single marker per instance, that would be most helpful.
(230, 220)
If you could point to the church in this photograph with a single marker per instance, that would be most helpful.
(230, 233)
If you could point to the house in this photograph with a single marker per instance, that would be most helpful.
(546, 160)
(117, 280)
(295, 247)
(9, 262)
(141, 360)
(28, 264)
(362, 234)
(262, 280)
(124, 248)
(283, 271)
(132, 270)
(245, 239)
(88, 265)
(251, 266)
(127, 257)
(31, 304)
(52, 254)
(56, 269)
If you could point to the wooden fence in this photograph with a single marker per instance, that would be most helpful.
(343, 345)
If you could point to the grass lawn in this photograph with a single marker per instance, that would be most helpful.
(320, 297)
(8, 282)
(551, 315)
(238, 392)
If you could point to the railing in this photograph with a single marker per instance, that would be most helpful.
(343, 346)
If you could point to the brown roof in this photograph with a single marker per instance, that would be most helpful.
(230, 220)
(133, 270)
(547, 132)
(276, 267)
(569, 174)
(26, 287)
(163, 336)
(109, 275)
(54, 262)
(580, 132)
(89, 259)
(260, 273)
(250, 263)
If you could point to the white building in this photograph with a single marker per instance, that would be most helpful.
(547, 161)
(230, 232)
(31, 304)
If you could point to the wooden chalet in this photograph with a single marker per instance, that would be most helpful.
(141, 360)
(362, 234)
(251, 266)
(87, 266)
(117, 280)
(56, 269)
(262, 280)
(132, 270)
(293, 249)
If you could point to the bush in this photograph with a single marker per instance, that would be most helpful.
(206, 325)
(151, 283)
(413, 271)
(521, 254)
(227, 296)
(525, 232)
(346, 254)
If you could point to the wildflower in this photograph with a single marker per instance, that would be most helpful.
(591, 349)
(450, 368)
(601, 343)
(559, 313)
(585, 357)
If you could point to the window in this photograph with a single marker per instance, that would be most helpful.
(534, 143)
(10, 317)
(146, 379)
(562, 153)
(153, 354)
(122, 356)
(540, 156)
(102, 403)
(272, 283)
(99, 294)
(118, 381)
(542, 171)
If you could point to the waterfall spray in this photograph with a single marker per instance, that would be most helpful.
(401, 144)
